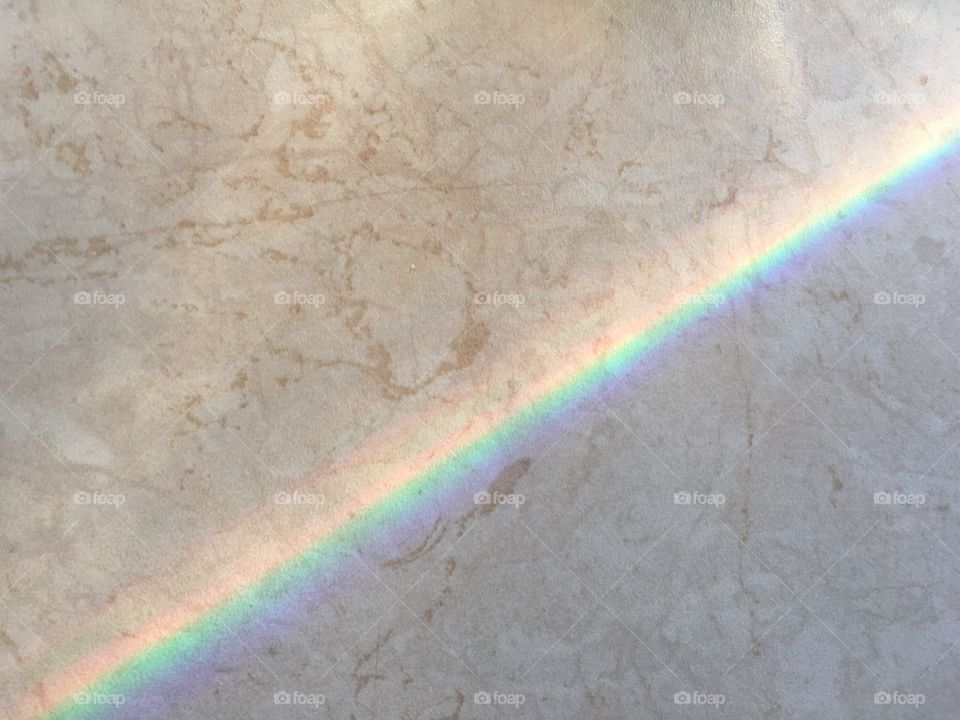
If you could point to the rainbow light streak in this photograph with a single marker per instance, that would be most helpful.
(433, 475)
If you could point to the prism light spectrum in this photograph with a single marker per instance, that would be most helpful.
(171, 643)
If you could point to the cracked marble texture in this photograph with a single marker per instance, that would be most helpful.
(283, 249)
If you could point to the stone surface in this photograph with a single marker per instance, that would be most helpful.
(249, 248)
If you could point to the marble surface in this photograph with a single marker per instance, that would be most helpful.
(252, 247)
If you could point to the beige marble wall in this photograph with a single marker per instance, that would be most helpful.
(242, 250)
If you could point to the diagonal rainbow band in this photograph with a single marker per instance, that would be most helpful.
(174, 642)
